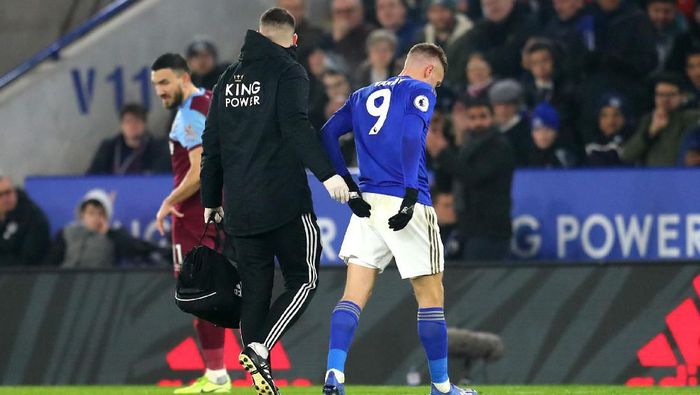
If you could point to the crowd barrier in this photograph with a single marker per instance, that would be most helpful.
(567, 215)
(618, 324)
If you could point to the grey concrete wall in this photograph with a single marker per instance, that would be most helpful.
(28, 26)
(54, 118)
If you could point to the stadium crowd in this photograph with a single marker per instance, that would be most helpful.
(530, 83)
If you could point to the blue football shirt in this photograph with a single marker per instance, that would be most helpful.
(390, 121)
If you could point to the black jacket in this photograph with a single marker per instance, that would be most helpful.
(24, 235)
(682, 45)
(623, 42)
(258, 139)
(570, 37)
(605, 151)
(483, 167)
(520, 138)
(624, 57)
(115, 157)
(555, 157)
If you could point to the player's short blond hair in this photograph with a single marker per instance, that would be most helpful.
(431, 51)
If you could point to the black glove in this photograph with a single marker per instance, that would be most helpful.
(358, 205)
(400, 220)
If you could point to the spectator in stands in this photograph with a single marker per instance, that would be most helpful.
(541, 82)
(202, 59)
(622, 56)
(692, 73)
(350, 31)
(572, 29)
(479, 76)
(500, 37)
(445, 25)
(685, 9)
(337, 91)
(134, 150)
(436, 129)
(470, 8)
(623, 33)
(506, 99)
(547, 151)
(381, 64)
(393, 15)
(90, 243)
(337, 86)
(24, 230)
(443, 203)
(685, 43)
(460, 122)
(664, 17)
(612, 132)
(483, 166)
(317, 63)
(310, 35)
(689, 153)
(660, 133)
(544, 82)
(438, 139)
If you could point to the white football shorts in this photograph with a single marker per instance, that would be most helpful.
(369, 242)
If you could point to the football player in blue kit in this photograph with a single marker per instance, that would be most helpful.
(392, 212)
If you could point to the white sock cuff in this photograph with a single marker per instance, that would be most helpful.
(340, 376)
(260, 349)
(443, 387)
(216, 374)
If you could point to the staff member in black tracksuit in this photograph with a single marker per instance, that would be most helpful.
(257, 141)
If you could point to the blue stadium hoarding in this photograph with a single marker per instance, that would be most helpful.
(572, 215)
(611, 214)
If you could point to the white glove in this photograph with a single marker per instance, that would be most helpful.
(338, 189)
(217, 212)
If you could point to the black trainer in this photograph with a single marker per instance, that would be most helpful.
(260, 371)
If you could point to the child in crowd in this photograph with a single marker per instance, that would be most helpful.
(547, 152)
(91, 243)
(613, 128)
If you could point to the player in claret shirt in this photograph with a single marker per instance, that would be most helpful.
(171, 79)
(393, 213)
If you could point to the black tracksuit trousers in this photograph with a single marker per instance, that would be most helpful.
(297, 247)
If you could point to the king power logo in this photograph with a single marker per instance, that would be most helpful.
(683, 324)
(186, 357)
(241, 94)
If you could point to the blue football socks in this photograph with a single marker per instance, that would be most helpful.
(432, 331)
(344, 321)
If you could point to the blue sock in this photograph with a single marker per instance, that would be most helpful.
(343, 324)
(432, 331)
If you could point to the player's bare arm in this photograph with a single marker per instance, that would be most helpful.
(188, 187)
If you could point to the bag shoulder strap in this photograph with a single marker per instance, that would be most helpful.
(217, 240)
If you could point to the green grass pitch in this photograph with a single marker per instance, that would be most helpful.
(483, 390)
